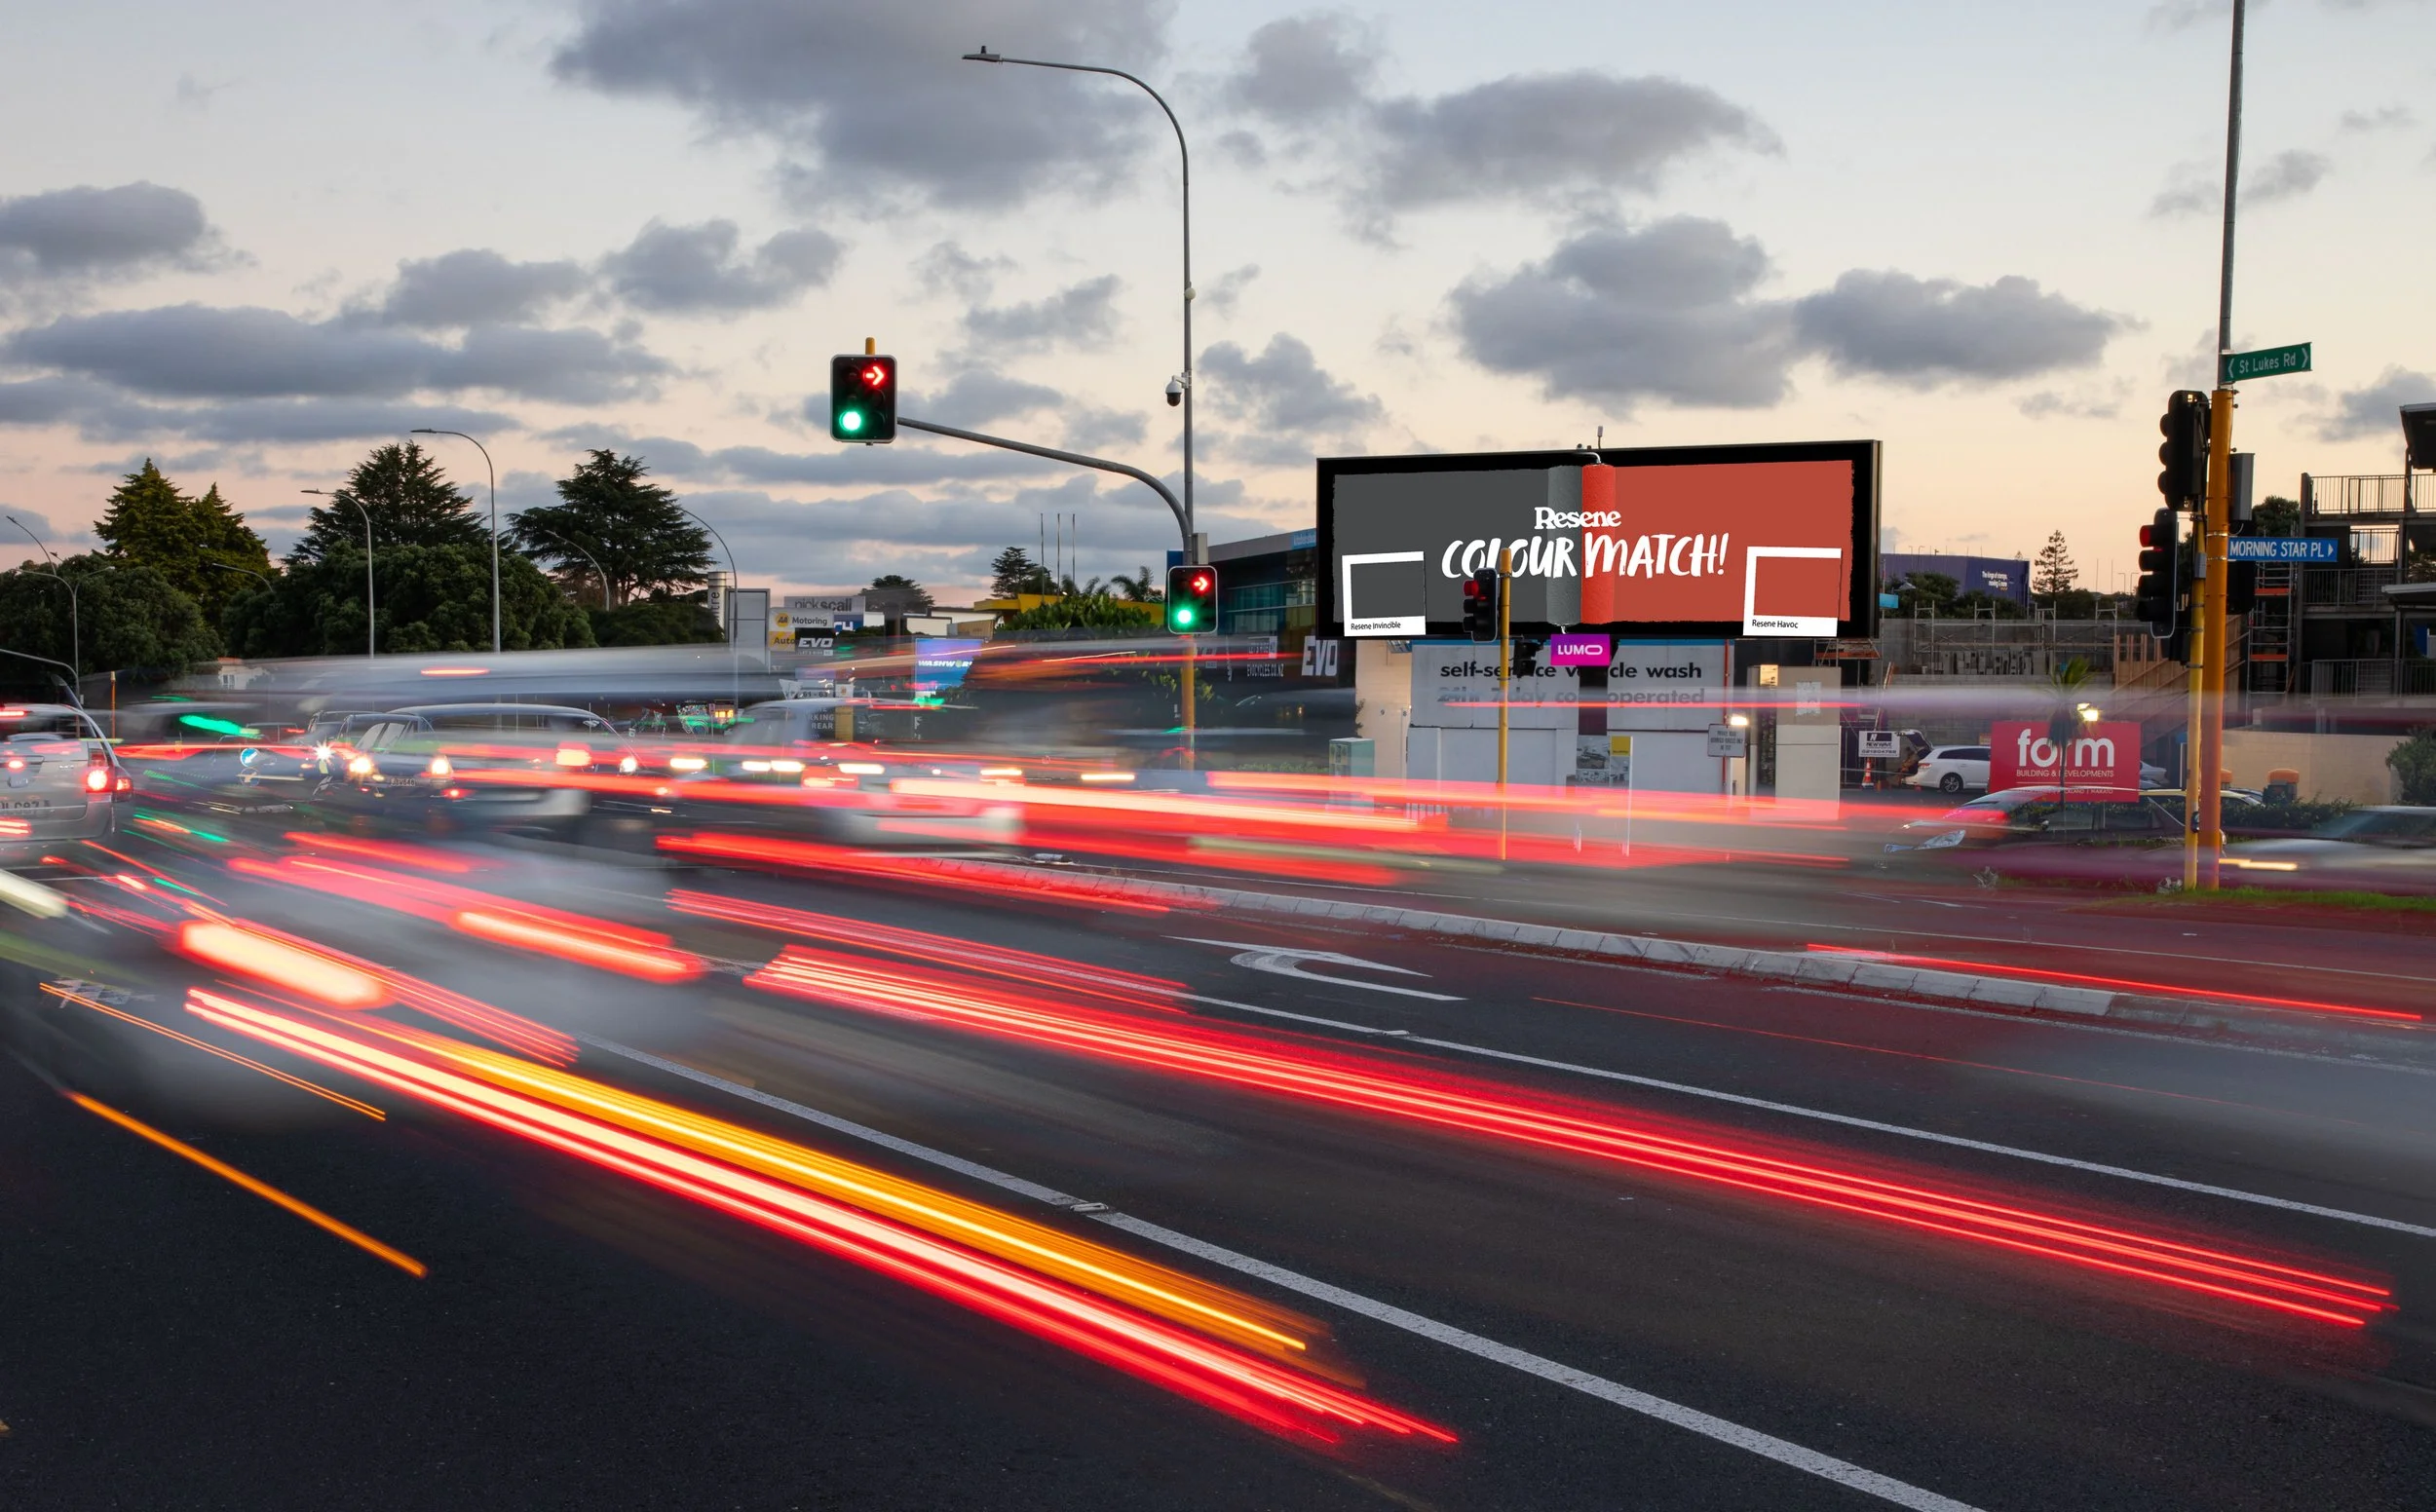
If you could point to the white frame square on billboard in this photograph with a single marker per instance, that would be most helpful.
(1791, 624)
(1398, 625)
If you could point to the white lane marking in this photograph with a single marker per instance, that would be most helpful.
(1765, 1444)
(1287, 961)
(2041, 1156)
(1750, 1440)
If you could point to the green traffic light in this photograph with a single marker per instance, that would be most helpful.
(1182, 615)
(849, 420)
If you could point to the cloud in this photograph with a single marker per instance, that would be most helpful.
(2373, 412)
(204, 352)
(476, 286)
(1543, 134)
(2384, 117)
(1219, 296)
(1077, 313)
(89, 233)
(2287, 175)
(1285, 389)
(697, 270)
(979, 395)
(1664, 311)
(2047, 404)
(870, 99)
(2193, 188)
(1926, 332)
(949, 266)
(102, 413)
(1301, 70)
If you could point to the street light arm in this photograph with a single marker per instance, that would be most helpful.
(492, 471)
(1074, 456)
(30, 536)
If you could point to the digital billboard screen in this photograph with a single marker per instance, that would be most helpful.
(1766, 540)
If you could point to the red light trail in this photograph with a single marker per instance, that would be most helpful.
(2121, 984)
(1370, 1085)
(1257, 1390)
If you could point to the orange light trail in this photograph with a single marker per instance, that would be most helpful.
(1310, 1073)
(428, 858)
(263, 1190)
(1231, 813)
(2082, 978)
(1093, 1267)
(272, 1072)
(1262, 1393)
(526, 932)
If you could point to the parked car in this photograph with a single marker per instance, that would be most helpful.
(1952, 769)
(2036, 831)
(60, 781)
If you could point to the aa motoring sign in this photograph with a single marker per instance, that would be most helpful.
(1700, 541)
(2096, 763)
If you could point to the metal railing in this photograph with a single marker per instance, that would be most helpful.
(2348, 588)
(2369, 677)
(2332, 497)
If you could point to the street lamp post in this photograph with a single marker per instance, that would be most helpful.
(75, 617)
(494, 524)
(579, 550)
(1184, 156)
(248, 570)
(735, 674)
(371, 618)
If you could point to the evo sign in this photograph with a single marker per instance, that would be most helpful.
(2097, 762)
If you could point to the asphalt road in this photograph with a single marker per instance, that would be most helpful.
(1595, 1334)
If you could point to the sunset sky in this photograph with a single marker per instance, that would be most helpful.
(251, 241)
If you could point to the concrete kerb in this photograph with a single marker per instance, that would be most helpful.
(1853, 973)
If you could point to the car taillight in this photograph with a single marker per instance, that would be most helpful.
(124, 784)
(573, 756)
(97, 780)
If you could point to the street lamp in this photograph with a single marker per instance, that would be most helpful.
(248, 570)
(530, 528)
(75, 618)
(1182, 386)
(735, 674)
(371, 618)
(494, 524)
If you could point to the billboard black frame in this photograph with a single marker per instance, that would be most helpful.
(1859, 622)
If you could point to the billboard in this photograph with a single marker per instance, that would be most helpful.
(2097, 762)
(1681, 541)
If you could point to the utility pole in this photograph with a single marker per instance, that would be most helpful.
(2203, 847)
(1505, 674)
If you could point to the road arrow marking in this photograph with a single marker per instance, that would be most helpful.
(1287, 961)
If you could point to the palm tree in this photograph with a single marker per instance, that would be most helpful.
(1139, 587)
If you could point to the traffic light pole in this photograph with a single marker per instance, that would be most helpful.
(2204, 806)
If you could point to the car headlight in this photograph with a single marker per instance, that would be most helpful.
(1945, 841)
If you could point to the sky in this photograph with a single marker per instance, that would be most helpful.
(255, 240)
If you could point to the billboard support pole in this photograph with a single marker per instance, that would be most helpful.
(1505, 688)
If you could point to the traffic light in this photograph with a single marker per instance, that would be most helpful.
(1483, 592)
(862, 398)
(1525, 663)
(1192, 600)
(2184, 454)
(2159, 594)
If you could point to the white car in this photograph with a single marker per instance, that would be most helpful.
(1952, 769)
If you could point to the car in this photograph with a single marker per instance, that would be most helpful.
(1951, 769)
(2385, 849)
(2039, 832)
(60, 781)
(445, 767)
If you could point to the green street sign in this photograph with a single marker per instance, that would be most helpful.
(2234, 367)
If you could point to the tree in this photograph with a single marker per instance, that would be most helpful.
(894, 592)
(2415, 767)
(657, 622)
(1927, 592)
(128, 618)
(2053, 572)
(2276, 516)
(1083, 612)
(1140, 588)
(410, 504)
(633, 530)
(1014, 572)
(191, 543)
(433, 598)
